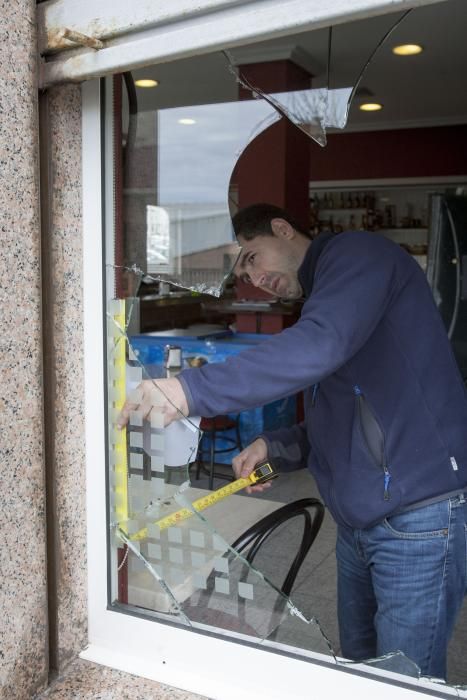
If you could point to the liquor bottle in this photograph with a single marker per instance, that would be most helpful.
(313, 211)
(388, 218)
(338, 228)
(370, 213)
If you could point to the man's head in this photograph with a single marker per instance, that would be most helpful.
(273, 248)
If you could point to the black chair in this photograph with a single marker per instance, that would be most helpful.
(248, 545)
(252, 539)
(222, 428)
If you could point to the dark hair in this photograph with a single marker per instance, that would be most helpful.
(255, 220)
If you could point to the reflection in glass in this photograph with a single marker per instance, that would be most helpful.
(178, 199)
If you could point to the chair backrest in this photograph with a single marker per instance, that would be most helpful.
(260, 615)
(250, 542)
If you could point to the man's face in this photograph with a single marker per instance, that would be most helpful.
(271, 263)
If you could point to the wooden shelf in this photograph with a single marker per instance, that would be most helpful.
(345, 210)
(402, 229)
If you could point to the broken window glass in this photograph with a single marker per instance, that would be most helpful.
(190, 156)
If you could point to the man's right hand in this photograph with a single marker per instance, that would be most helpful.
(245, 462)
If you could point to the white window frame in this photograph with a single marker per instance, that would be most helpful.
(132, 35)
(200, 663)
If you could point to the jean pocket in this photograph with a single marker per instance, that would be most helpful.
(421, 523)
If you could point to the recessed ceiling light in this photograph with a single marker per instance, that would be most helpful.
(146, 83)
(407, 49)
(186, 120)
(371, 107)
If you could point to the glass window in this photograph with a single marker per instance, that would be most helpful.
(187, 543)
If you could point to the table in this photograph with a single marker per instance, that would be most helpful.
(258, 315)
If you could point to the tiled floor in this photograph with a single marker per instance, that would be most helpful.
(84, 680)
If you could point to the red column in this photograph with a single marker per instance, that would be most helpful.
(275, 167)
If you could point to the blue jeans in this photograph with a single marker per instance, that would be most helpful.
(401, 584)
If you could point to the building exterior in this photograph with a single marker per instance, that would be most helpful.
(46, 567)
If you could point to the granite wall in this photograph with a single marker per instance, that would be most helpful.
(41, 402)
(23, 593)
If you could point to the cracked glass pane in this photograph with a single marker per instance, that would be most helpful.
(219, 133)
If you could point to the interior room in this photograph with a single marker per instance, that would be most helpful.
(343, 130)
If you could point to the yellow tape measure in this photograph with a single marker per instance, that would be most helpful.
(262, 473)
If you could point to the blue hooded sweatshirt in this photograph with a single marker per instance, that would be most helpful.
(385, 424)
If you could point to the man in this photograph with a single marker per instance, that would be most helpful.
(385, 430)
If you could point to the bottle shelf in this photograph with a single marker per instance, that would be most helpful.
(346, 210)
(403, 229)
(371, 210)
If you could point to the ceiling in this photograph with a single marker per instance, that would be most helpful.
(422, 90)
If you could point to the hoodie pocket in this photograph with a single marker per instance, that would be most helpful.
(373, 438)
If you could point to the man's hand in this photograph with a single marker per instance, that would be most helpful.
(161, 395)
(245, 462)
